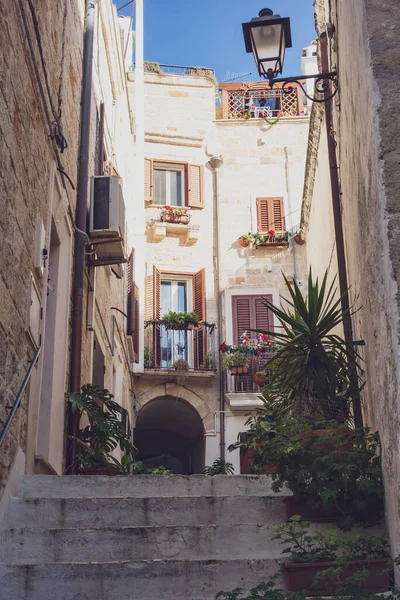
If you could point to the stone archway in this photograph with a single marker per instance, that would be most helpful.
(170, 432)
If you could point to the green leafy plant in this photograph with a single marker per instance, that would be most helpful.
(350, 569)
(139, 468)
(262, 591)
(180, 320)
(336, 469)
(148, 358)
(328, 546)
(315, 371)
(207, 364)
(219, 467)
(104, 431)
(234, 359)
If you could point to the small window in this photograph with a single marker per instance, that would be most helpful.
(169, 184)
(270, 214)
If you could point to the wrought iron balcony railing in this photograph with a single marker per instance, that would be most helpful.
(249, 381)
(179, 349)
(255, 100)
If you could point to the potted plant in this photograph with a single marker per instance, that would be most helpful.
(170, 214)
(181, 365)
(235, 362)
(180, 320)
(148, 358)
(245, 240)
(324, 563)
(259, 377)
(102, 433)
(207, 364)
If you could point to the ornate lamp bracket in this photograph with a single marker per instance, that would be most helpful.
(322, 85)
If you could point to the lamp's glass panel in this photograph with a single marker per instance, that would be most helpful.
(267, 47)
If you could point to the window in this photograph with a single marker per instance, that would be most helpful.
(174, 184)
(250, 312)
(169, 184)
(270, 214)
(179, 293)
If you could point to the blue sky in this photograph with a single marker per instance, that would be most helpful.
(209, 33)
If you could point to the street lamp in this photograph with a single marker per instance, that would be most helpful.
(267, 37)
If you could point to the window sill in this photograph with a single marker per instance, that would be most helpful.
(272, 245)
(160, 230)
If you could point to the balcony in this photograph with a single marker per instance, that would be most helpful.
(255, 100)
(179, 353)
(242, 390)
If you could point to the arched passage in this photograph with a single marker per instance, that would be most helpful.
(170, 432)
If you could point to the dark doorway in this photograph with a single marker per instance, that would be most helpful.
(170, 432)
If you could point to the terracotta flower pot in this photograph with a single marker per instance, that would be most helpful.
(244, 243)
(184, 219)
(239, 370)
(300, 576)
(299, 505)
(168, 217)
(258, 379)
(299, 240)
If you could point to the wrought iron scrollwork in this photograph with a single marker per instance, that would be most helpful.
(321, 87)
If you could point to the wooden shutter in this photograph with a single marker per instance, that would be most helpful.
(148, 180)
(241, 316)
(156, 316)
(262, 214)
(195, 186)
(199, 305)
(130, 296)
(276, 210)
(262, 315)
(270, 214)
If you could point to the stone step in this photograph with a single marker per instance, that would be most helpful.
(56, 513)
(150, 580)
(79, 545)
(159, 486)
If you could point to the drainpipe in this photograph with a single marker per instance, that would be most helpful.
(80, 223)
(337, 218)
(216, 162)
(290, 217)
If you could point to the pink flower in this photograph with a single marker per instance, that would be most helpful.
(264, 337)
(223, 347)
(271, 232)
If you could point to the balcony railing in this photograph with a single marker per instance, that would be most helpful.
(179, 350)
(245, 382)
(159, 69)
(252, 100)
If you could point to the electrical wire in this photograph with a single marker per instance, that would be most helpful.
(127, 4)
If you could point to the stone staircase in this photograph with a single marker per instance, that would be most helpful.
(142, 537)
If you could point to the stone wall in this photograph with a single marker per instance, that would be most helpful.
(367, 130)
(31, 188)
(26, 158)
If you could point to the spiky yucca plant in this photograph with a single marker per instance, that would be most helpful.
(314, 370)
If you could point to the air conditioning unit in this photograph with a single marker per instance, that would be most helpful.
(107, 219)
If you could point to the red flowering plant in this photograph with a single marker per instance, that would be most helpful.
(180, 214)
(260, 344)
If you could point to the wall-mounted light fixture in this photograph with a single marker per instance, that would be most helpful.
(267, 37)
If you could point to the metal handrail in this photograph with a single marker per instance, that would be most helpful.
(19, 396)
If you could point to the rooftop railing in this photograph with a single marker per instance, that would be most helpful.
(255, 100)
(158, 68)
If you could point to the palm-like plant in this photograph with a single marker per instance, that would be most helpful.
(314, 369)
